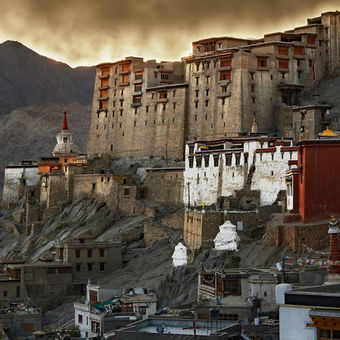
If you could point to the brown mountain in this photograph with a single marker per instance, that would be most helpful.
(27, 78)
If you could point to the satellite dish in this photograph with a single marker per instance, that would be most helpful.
(279, 266)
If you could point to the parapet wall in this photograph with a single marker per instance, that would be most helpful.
(210, 175)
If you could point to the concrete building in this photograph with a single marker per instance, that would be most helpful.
(236, 293)
(311, 313)
(138, 109)
(42, 281)
(89, 258)
(104, 310)
(18, 176)
(312, 181)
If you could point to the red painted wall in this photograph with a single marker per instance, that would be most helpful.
(319, 179)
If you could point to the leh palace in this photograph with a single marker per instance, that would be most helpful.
(223, 137)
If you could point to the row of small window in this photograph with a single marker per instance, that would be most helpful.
(89, 252)
(206, 103)
(94, 188)
(136, 99)
(124, 68)
(206, 118)
(126, 77)
(228, 160)
(216, 158)
(161, 95)
(89, 266)
(134, 124)
(261, 62)
(223, 76)
(223, 62)
(164, 106)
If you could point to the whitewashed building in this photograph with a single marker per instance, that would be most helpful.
(310, 313)
(18, 176)
(218, 168)
(104, 310)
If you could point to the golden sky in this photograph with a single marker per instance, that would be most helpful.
(87, 32)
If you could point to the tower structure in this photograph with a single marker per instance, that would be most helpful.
(145, 108)
(65, 145)
(334, 247)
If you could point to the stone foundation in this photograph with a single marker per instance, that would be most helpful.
(298, 236)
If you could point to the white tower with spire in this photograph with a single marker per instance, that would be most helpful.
(65, 144)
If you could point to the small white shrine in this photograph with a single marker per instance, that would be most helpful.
(227, 238)
(180, 257)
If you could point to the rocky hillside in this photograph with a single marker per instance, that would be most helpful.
(27, 78)
(144, 265)
(29, 132)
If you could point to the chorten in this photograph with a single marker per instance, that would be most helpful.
(65, 144)
(180, 257)
(334, 247)
(227, 238)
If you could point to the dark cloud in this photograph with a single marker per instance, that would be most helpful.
(92, 31)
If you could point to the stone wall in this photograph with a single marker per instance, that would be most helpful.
(164, 185)
(53, 188)
(128, 200)
(297, 236)
(103, 187)
(141, 114)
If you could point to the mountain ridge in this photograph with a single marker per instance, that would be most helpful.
(28, 78)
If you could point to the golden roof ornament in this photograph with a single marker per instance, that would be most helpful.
(328, 133)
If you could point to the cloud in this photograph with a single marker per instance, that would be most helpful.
(91, 31)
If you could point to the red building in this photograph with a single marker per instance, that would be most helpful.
(313, 181)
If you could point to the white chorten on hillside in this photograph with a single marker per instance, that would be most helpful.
(227, 238)
(180, 257)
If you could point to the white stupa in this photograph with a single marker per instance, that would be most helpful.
(65, 145)
(227, 238)
(180, 257)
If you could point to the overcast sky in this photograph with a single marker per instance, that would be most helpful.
(87, 32)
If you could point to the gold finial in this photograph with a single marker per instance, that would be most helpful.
(328, 133)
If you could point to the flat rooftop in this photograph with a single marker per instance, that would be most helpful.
(180, 327)
(319, 296)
